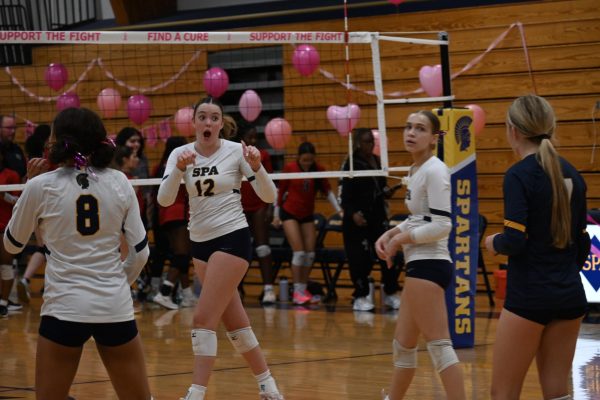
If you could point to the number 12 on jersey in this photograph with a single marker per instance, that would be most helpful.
(208, 185)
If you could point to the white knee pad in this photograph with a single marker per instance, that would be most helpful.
(204, 342)
(309, 259)
(263, 250)
(403, 357)
(298, 258)
(243, 340)
(7, 272)
(442, 354)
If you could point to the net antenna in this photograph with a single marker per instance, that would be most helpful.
(168, 68)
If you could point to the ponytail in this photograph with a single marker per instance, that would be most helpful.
(561, 214)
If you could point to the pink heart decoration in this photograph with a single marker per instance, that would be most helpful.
(344, 119)
(431, 80)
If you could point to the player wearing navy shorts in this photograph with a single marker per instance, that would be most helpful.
(212, 168)
(423, 237)
(82, 209)
(546, 243)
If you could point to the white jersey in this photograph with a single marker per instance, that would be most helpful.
(429, 223)
(213, 185)
(81, 223)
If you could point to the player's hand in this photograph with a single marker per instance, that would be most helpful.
(359, 219)
(381, 244)
(489, 244)
(184, 159)
(391, 248)
(276, 222)
(36, 166)
(252, 156)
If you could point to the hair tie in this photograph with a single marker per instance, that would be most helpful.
(543, 136)
(80, 160)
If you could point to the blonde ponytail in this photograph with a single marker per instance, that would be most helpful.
(560, 224)
(533, 117)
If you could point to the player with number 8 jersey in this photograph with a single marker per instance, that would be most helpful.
(82, 210)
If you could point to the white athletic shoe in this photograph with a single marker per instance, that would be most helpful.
(269, 297)
(384, 396)
(271, 396)
(392, 301)
(165, 301)
(12, 306)
(363, 304)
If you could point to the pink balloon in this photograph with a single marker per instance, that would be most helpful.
(396, 2)
(478, 118)
(306, 59)
(109, 101)
(67, 100)
(216, 81)
(278, 132)
(184, 120)
(250, 105)
(56, 76)
(431, 80)
(139, 108)
(344, 119)
(377, 147)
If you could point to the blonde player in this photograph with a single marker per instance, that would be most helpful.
(212, 169)
(423, 237)
(81, 210)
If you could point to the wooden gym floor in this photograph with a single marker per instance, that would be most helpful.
(322, 353)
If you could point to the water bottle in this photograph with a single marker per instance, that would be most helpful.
(371, 295)
(284, 290)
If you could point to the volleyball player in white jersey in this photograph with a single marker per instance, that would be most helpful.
(212, 169)
(81, 210)
(423, 237)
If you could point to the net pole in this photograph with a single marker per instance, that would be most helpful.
(445, 61)
(377, 80)
(348, 91)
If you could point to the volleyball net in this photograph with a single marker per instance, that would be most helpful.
(293, 87)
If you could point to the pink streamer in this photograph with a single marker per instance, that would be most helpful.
(464, 69)
(109, 74)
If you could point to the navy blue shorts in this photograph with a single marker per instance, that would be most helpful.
(284, 216)
(544, 316)
(237, 243)
(75, 334)
(436, 271)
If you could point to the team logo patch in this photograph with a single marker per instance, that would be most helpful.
(461, 132)
(592, 274)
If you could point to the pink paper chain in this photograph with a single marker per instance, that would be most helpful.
(109, 74)
(464, 69)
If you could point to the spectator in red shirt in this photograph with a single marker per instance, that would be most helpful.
(7, 200)
(259, 215)
(171, 239)
(296, 207)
